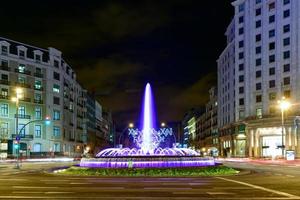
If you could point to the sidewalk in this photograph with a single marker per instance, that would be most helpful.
(33, 160)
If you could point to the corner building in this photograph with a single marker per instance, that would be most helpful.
(49, 88)
(267, 56)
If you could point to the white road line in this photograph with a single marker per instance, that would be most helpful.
(25, 192)
(75, 183)
(220, 193)
(290, 176)
(164, 188)
(32, 187)
(260, 188)
(59, 192)
(13, 179)
(278, 174)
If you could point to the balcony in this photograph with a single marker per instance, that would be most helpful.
(38, 88)
(30, 137)
(38, 101)
(21, 116)
(38, 75)
(5, 68)
(27, 72)
(4, 96)
(26, 99)
(4, 82)
(24, 85)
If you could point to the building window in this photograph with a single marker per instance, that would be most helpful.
(56, 115)
(286, 41)
(56, 147)
(4, 129)
(272, 84)
(23, 132)
(272, 71)
(285, 2)
(4, 93)
(258, 11)
(37, 97)
(258, 98)
(286, 28)
(241, 55)
(241, 102)
(241, 114)
(56, 100)
(258, 37)
(241, 31)
(286, 54)
(258, 1)
(286, 81)
(258, 86)
(22, 54)
(272, 96)
(21, 68)
(56, 88)
(286, 13)
(56, 64)
(22, 110)
(272, 6)
(271, 58)
(286, 68)
(4, 50)
(241, 7)
(259, 113)
(56, 76)
(38, 113)
(258, 50)
(241, 78)
(38, 58)
(271, 46)
(4, 63)
(241, 19)
(258, 24)
(287, 93)
(38, 85)
(258, 62)
(241, 90)
(241, 67)
(241, 44)
(271, 19)
(37, 147)
(56, 131)
(271, 33)
(37, 131)
(258, 74)
(4, 110)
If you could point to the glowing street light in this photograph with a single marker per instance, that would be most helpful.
(284, 105)
(163, 124)
(130, 125)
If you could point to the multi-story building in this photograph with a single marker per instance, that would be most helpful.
(207, 135)
(266, 62)
(48, 88)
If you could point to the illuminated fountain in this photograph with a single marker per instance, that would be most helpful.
(148, 151)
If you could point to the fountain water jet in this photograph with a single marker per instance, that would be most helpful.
(149, 152)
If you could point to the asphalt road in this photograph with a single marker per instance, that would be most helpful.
(264, 182)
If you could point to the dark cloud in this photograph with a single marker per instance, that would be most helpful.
(116, 46)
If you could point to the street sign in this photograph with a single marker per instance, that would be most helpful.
(18, 138)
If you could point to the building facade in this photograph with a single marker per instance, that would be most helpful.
(48, 88)
(266, 66)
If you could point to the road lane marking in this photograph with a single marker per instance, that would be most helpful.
(290, 176)
(278, 174)
(260, 188)
(165, 188)
(13, 179)
(75, 183)
(60, 193)
(32, 187)
(220, 193)
(25, 192)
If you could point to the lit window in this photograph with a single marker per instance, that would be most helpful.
(21, 68)
(38, 85)
(56, 131)
(38, 113)
(56, 115)
(4, 110)
(37, 131)
(259, 113)
(56, 88)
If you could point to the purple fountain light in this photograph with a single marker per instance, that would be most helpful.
(149, 152)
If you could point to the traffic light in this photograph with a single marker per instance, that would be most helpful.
(47, 120)
(16, 145)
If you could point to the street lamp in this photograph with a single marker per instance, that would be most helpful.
(19, 95)
(130, 125)
(163, 124)
(284, 105)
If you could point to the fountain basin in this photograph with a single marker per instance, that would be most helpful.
(147, 162)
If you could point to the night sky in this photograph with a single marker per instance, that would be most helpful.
(116, 47)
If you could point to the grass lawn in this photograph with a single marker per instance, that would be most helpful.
(193, 171)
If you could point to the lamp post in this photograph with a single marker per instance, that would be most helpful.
(284, 105)
(19, 93)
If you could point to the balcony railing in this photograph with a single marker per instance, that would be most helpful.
(23, 136)
(5, 68)
(26, 99)
(21, 116)
(39, 75)
(38, 88)
(38, 101)
(4, 96)
(27, 72)
(4, 82)
(25, 85)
